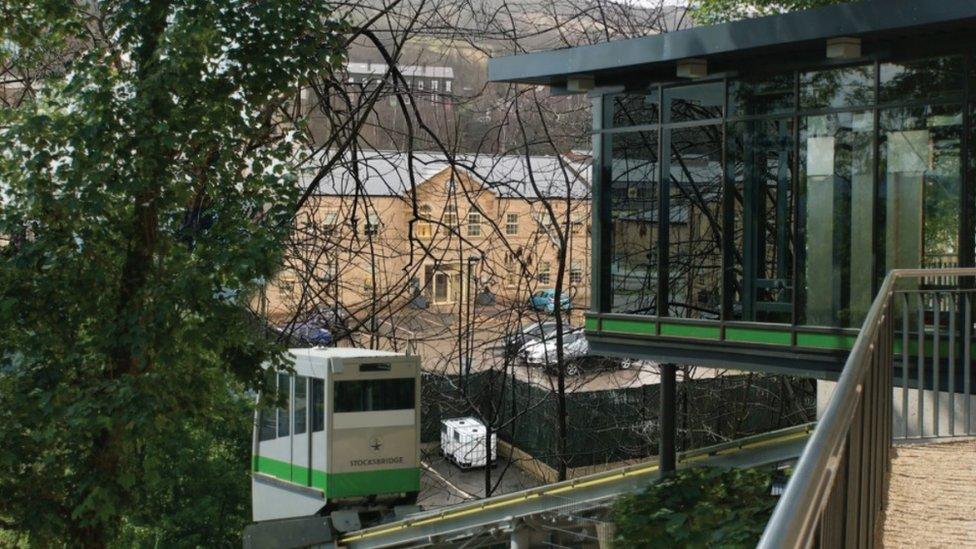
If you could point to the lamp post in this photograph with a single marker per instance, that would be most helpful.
(469, 305)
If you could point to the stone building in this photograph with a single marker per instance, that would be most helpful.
(386, 230)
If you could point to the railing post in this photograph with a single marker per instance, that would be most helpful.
(845, 466)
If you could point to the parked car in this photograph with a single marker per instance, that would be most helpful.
(308, 334)
(335, 319)
(516, 341)
(575, 350)
(545, 300)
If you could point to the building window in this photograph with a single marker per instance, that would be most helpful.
(512, 269)
(577, 224)
(544, 270)
(576, 273)
(450, 215)
(330, 220)
(423, 228)
(442, 288)
(286, 282)
(372, 224)
(511, 224)
(447, 86)
(474, 224)
(433, 86)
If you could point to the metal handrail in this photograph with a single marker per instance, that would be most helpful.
(795, 520)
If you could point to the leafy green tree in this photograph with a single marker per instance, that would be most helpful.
(697, 507)
(719, 11)
(144, 197)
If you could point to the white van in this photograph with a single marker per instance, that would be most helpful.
(463, 442)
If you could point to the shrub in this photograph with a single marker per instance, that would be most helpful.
(697, 507)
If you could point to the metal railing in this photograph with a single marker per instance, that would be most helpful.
(838, 490)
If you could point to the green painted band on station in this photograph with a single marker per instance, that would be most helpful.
(691, 330)
(773, 335)
(750, 335)
(640, 327)
(339, 485)
(825, 341)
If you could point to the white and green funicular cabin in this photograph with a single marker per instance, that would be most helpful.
(348, 433)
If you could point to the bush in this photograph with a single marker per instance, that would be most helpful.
(697, 507)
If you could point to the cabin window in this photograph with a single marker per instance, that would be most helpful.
(284, 396)
(374, 395)
(269, 427)
(301, 403)
(318, 405)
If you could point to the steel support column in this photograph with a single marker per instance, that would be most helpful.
(666, 453)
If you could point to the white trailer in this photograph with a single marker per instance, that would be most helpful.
(463, 442)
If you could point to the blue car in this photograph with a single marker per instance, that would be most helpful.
(310, 334)
(545, 300)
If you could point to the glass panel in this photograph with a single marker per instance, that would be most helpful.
(318, 405)
(698, 102)
(921, 170)
(836, 218)
(301, 392)
(634, 109)
(268, 425)
(834, 88)
(924, 79)
(634, 222)
(284, 394)
(694, 222)
(761, 172)
(374, 395)
(772, 95)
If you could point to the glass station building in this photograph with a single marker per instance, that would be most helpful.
(754, 181)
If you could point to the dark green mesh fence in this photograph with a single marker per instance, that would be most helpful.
(618, 424)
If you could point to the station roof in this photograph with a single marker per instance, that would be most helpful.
(739, 40)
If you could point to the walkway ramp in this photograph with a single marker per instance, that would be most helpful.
(932, 495)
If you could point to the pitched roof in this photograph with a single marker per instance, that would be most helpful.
(387, 173)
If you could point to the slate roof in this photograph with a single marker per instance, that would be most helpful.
(387, 173)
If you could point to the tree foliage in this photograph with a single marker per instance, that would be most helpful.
(719, 11)
(697, 507)
(146, 194)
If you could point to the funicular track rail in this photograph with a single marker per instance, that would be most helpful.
(502, 512)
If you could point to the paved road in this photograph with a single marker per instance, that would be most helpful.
(445, 484)
(932, 496)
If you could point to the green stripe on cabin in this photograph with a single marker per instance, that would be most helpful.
(341, 485)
